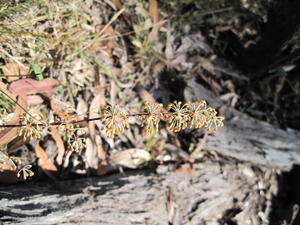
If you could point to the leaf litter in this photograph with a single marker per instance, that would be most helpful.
(88, 54)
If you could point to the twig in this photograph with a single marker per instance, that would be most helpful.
(201, 145)
(75, 121)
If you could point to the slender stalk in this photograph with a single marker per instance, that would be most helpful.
(78, 121)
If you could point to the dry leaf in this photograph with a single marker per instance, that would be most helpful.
(154, 11)
(159, 67)
(100, 150)
(34, 100)
(63, 115)
(113, 93)
(91, 154)
(230, 98)
(222, 28)
(95, 107)
(101, 153)
(102, 168)
(44, 161)
(30, 86)
(119, 6)
(14, 69)
(82, 107)
(4, 89)
(60, 144)
(10, 133)
(131, 158)
(106, 45)
(57, 110)
(199, 148)
(146, 96)
(185, 170)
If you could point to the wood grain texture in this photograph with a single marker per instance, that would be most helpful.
(249, 139)
(140, 198)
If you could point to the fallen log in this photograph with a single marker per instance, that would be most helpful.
(211, 195)
(249, 139)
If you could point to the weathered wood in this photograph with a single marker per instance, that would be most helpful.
(202, 197)
(249, 139)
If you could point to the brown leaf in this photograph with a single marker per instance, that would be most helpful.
(131, 158)
(100, 150)
(10, 133)
(44, 161)
(146, 96)
(119, 6)
(185, 170)
(30, 86)
(60, 144)
(13, 70)
(106, 45)
(155, 16)
(34, 100)
(222, 28)
(101, 153)
(154, 11)
(159, 67)
(91, 154)
(63, 115)
(94, 111)
(199, 148)
(4, 89)
(102, 168)
(57, 110)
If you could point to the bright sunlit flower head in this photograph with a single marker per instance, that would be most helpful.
(114, 120)
(150, 121)
(198, 114)
(213, 122)
(30, 129)
(25, 172)
(178, 116)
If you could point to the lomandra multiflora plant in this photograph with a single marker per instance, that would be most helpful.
(114, 121)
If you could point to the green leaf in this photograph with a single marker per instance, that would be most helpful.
(37, 70)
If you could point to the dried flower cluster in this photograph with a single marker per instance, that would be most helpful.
(179, 117)
(29, 128)
(151, 117)
(12, 162)
(201, 116)
(25, 172)
(71, 132)
(114, 121)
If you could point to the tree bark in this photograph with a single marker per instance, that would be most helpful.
(249, 139)
(208, 196)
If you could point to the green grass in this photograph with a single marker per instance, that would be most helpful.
(5, 104)
(9, 7)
